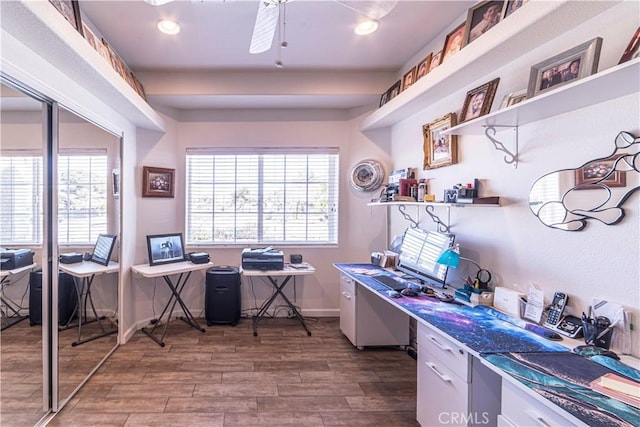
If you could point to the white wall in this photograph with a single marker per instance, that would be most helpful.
(601, 261)
(360, 230)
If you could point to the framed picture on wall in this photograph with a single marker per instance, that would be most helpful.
(454, 42)
(157, 182)
(423, 67)
(482, 17)
(633, 48)
(440, 150)
(409, 78)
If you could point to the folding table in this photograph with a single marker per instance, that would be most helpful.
(9, 310)
(83, 274)
(287, 272)
(183, 269)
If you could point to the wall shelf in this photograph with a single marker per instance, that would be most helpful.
(606, 85)
(535, 24)
(42, 29)
(443, 226)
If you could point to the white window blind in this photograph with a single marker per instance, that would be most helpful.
(21, 204)
(274, 196)
(82, 197)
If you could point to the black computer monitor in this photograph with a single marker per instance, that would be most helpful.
(165, 248)
(419, 252)
(103, 248)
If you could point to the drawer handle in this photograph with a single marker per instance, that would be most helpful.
(346, 295)
(440, 346)
(537, 418)
(443, 377)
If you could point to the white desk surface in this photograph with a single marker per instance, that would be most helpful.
(288, 270)
(146, 270)
(88, 268)
(4, 273)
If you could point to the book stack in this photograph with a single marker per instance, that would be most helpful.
(619, 388)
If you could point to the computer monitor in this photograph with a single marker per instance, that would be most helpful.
(418, 254)
(165, 248)
(103, 248)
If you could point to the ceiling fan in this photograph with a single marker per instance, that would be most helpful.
(269, 14)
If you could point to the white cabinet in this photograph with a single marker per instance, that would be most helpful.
(367, 319)
(522, 409)
(454, 388)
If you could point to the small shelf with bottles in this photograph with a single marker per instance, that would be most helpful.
(438, 204)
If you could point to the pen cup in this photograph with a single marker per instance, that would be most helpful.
(597, 335)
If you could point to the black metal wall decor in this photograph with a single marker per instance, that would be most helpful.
(567, 199)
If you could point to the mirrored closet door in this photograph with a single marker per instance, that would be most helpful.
(24, 363)
(88, 229)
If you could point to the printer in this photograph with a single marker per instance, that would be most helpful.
(11, 259)
(262, 259)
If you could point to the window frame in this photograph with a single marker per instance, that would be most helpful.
(333, 172)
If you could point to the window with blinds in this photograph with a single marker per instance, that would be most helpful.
(82, 197)
(21, 204)
(275, 196)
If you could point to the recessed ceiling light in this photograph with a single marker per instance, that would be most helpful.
(157, 2)
(366, 27)
(168, 26)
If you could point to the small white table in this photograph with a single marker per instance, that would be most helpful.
(83, 274)
(289, 271)
(10, 310)
(183, 269)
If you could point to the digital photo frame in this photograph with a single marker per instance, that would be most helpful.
(103, 248)
(165, 248)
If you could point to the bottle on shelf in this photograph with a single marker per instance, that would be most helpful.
(422, 190)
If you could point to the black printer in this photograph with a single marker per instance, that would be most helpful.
(11, 259)
(262, 259)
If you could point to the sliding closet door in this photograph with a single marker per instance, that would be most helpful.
(25, 359)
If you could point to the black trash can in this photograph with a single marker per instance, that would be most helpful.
(222, 302)
(67, 298)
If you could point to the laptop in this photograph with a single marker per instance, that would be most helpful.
(103, 248)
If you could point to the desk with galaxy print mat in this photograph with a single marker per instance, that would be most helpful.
(519, 359)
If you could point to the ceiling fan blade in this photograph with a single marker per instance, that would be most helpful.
(265, 27)
(370, 9)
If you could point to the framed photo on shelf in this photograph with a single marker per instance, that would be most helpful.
(591, 175)
(422, 69)
(454, 42)
(383, 99)
(436, 59)
(157, 182)
(409, 78)
(71, 11)
(513, 5)
(633, 48)
(440, 150)
(481, 18)
(478, 101)
(394, 90)
(573, 64)
(513, 98)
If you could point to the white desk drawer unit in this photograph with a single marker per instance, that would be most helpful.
(366, 319)
(454, 388)
(441, 347)
(521, 409)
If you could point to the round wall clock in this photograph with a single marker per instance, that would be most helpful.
(367, 175)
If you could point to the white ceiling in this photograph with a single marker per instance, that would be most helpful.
(215, 38)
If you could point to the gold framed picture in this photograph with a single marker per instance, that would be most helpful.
(440, 150)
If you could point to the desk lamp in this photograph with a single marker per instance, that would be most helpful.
(451, 258)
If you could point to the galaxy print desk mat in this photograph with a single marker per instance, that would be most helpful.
(479, 328)
(564, 379)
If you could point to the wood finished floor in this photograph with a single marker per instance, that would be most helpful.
(227, 377)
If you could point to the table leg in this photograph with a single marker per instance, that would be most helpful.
(175, 298)
(84, 298)
(267, 304)
(5, 305)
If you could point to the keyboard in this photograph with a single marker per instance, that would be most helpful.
(390, 282)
